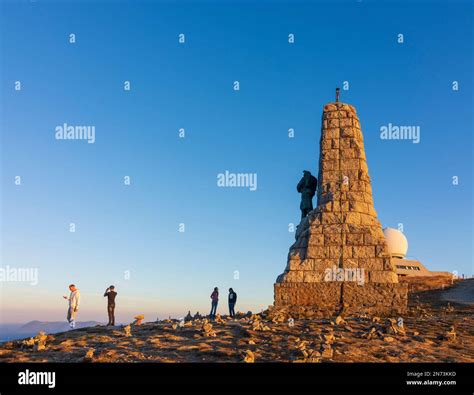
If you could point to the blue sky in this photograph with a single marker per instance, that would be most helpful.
(135, 228)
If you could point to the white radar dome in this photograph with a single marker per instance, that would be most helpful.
(397, 243)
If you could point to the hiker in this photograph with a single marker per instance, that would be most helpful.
(110, 294)
(73, 299)
(232, 301)
(215, 300)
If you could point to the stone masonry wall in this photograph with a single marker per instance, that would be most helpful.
(343, 231)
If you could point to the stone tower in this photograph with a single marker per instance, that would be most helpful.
(340, 262)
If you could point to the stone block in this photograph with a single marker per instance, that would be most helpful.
(371, 264)
(314, 251)
(334, 251)
(347, 131)
(355, 239)
(363, 252)
(350, 164)
(350, 263)
(333, 239)
(323, 264)
(352, 218)
(329, 107)
(383, 276)
(331, 133)
(313, 276)
(346, 122)
(316, 239)
(345, 143)
(332, 218)
(294, 276)
(330, 154)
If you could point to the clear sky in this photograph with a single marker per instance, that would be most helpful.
(135, 228)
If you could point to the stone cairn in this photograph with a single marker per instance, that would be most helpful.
(342, 232)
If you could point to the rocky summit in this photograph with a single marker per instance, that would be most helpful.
(433, 329)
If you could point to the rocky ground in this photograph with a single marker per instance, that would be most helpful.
(433, 330)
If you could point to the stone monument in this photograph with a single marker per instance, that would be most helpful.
(340, 262)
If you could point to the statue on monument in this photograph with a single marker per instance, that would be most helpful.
(307, 187)
(342, 233)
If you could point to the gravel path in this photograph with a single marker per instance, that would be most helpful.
(463, 292)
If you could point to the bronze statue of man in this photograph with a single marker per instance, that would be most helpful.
(307, 187)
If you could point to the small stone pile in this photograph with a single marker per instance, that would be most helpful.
(249, 357)
(41, 341)
(448, 335)
(257, 324)
(392, 326)
(38, 342)
(128, 331)
(305, 354)
(28, 342)
(197, 316)
(395, 327)
(326, 346)
(89, 355)
(449, 308)
(207, 330)
(372, 333)
(138, 319)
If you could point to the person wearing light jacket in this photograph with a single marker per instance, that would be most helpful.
(74, 299)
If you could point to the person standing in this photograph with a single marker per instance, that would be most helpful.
(232, 302)
(74, 299)
(214, 301)
(111, 294)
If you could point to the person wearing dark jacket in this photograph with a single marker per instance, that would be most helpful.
(111, 294)
(232, 301)
(214, 301)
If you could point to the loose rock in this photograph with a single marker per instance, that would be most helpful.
(249, 357)
(128, 331)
